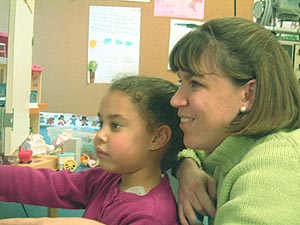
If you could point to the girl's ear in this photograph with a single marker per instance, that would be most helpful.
(161, 138)
(249, 94)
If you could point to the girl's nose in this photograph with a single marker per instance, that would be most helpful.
(100, 136)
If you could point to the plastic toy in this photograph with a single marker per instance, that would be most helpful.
(70, 165)
(92, 67)
(25, 156)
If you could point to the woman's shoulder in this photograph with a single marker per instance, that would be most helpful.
(283, 145)
(292, 136)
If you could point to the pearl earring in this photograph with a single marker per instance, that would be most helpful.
(243, 109)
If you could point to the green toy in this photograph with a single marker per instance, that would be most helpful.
(92, 67)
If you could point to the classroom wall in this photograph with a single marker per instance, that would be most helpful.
(61, 42)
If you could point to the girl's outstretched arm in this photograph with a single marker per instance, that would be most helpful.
(49, 221)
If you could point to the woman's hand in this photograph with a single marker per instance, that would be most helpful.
(196, 192)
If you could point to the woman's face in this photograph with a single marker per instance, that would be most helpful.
(206, 104)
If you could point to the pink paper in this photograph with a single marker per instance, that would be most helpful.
(191, 9)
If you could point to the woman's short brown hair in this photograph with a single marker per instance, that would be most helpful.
(243, 50)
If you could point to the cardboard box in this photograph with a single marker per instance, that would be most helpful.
(73, 145)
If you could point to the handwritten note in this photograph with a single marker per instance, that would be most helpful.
(114, 42)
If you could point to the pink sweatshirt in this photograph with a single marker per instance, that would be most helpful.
(94, 190)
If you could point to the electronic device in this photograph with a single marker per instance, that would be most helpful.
(267, 11)
(283, 18)
(293, 50)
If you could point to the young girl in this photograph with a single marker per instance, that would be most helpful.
(137, 141)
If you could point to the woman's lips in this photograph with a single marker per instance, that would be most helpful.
(184, 121)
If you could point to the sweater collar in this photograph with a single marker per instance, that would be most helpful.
(230, 152)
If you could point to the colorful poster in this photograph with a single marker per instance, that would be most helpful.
(114, 42)
(190, 9)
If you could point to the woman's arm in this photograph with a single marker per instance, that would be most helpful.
(196, 191)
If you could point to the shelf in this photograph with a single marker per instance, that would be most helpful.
(3, 61)
(37, 110)
(43, 161)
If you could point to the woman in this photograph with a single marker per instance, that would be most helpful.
(239, 103)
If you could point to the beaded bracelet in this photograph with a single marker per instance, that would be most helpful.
(189, 153)
(183, 154)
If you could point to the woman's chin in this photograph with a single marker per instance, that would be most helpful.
(189, 142)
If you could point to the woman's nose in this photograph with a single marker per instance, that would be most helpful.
(179, 98)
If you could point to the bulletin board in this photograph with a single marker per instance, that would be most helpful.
(61, 41)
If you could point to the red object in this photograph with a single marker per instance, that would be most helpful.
(25, 156)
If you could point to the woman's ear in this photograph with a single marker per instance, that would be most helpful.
(161, 138)
(249, 94)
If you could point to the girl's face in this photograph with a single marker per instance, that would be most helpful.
(206, 105)
(123, 141)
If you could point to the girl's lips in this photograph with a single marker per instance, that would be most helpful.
(100, 153)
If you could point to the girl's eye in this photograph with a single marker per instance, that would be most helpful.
(115, 126)
(99, 124)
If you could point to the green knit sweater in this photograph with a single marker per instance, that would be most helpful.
(258, 179)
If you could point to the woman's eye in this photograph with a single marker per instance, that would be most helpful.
(195, 84)
(178, 85)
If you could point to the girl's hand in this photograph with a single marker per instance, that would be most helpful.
(196, 192)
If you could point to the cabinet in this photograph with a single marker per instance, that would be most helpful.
(15, 115)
